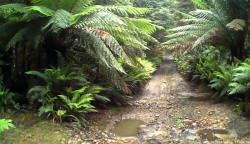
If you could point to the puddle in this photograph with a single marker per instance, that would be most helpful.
(209, 134)
(127, 127)
(197, 99)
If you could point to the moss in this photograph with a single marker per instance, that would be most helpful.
(33, 130)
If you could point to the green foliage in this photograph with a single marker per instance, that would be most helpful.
(240, 83)
(222, 80)
(138, 74)
(184, 64)
(206, 67)
(65, 94)
(5, 124)
(216, 26)
(104, 33)
(79, 104)
(6, 99)
(179, 123)
(239, 108)
(202, 4)
(56, 80)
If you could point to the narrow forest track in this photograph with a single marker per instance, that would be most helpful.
(170, 110)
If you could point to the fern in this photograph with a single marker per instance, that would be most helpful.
(200, 4)
(127, 10)
(59, 21)
(212, 25)
(241, 79)
(41, 9)
(222, 80)
(104, 32)
(11, 11)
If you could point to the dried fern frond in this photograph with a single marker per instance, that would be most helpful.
(237, 25)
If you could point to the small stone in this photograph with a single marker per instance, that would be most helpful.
(130, 140)
(194, 124)
(192, 138)
(187, 121)
(158, 135)
(206, 142)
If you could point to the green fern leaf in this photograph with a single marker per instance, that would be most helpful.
(59, 21)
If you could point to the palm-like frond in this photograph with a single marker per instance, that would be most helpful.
(59, 21)
(105, 32)
(237, 24)
(112, 43)
(127, 10)
(210, 26)
(11, 11)
(46, 3)
(41, 9)
(38, 74)
(74, 6)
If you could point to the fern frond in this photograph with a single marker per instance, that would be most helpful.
(143, 24)
(100, 51)
(237, 88)
(36, 89)
(38, 74)
(86, 11)
(200, 4)
(11, 11)
(127, 10)
(60, 20)
(51, 4)
(74, 6)
(237, 24)
(112, 43)
(206, 14)
(205, 38)
(41, 9)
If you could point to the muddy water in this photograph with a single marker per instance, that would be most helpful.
(197, 99)
(127, 127)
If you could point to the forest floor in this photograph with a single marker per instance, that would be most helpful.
(168, 110)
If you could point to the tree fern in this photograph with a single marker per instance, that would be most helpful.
(11, 11)
(200, 4)
(101, 30)
(127, 10)
(215, 25)
(59, 21)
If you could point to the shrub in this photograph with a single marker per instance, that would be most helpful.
(241, 79)
(138, 74)
(64, 94)
(6, 99)
(5, 124)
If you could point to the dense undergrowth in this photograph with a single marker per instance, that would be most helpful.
(212, 45)
(65, 59)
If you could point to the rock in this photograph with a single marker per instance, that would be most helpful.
(153, 141)
(159, 135)
(192, 138)
(194, 124)
(187, 121)
(206, 142)
(130, 140)
(142, 126)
